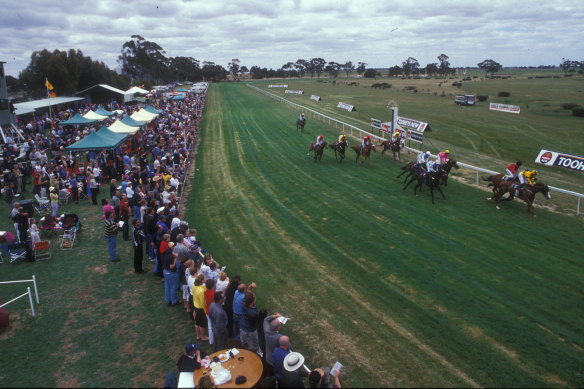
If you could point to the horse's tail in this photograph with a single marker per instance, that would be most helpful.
(489, 178)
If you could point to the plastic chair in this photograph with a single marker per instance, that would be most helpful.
(42, 250)
(68, 239)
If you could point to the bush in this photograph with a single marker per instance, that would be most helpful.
(482, 97)
(457, 84)
(370, 73)
(578, 111)
(411, 88)
(570, 105)
(504, 94)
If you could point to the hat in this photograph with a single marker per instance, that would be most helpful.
(77, 138)
(170, 244)
(52, 188)
(155, 178)
(167, 187)
(190, 347)
(293, 361)
(160, 210)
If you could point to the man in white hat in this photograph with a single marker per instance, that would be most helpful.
(291, 374)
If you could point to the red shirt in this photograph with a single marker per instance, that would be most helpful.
(513, 168)
(209, 298)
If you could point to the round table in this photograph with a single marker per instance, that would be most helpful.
(250, 366)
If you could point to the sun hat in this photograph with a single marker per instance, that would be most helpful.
(293, 361)
(170, 244)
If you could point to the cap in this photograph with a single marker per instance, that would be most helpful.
(447, 151)
(427, 153)
(190, 347)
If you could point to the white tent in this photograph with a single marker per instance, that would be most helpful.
(136, 89)
(122, 128)
(143, 116)
(93, 116)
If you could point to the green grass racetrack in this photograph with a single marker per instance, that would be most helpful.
(400, 291)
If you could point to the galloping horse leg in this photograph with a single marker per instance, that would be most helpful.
(439, 190)
(409, 182)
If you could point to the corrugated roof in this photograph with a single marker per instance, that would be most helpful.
(105, 86)
(31, 106)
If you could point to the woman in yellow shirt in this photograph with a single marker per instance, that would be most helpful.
(199, 307)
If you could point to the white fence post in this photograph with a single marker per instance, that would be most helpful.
(36, 292)
(30, 300)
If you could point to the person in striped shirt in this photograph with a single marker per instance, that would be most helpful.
(111, 233)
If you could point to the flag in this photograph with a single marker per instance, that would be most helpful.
(52, 94)
(48, 84)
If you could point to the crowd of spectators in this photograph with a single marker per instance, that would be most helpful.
(144, 178)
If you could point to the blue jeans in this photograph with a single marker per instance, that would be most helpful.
(236, 319)
(111, 245)
(137, 212)
(150, 248)
(170, 286)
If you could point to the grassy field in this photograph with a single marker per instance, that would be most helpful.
(400, 291)
(403, 293)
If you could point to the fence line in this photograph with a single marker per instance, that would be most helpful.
(337, 123)
(33, 280)
(21, 296)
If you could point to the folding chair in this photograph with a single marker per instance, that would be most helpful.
(42, 200)
(64, 196)
(42, 250)
(82, 196)
(68, 239)
(14, 251)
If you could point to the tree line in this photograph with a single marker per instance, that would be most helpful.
(145, 63)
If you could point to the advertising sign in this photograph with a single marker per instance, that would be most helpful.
(315, 98)
(376, 123)
(346, 107)
(296, 92)
(414, 125)
(504, 107)
(386, 127)
(277, 86)
(416, 136)
(553, 158)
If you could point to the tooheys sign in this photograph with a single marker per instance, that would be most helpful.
(553, 158)
(345, 106)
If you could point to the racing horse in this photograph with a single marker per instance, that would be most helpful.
(339, 148)
(300, 123)
(431, 179)
(409, 168)
(526, 194)
(366, 152)
(444, 170)
(495, 180)
(393, 147)
(317, 150)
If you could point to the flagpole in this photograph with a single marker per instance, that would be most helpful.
(49, 97)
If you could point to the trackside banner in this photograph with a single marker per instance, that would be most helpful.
(504, 107)
(346, 107)
(315, 98)
(277, 86)
(376, 123)
(296, 92)
(386, 127)
(413, 125)
(553, 158)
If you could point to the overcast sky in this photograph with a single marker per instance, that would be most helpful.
(271, 33)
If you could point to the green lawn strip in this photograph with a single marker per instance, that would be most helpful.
(260, 179)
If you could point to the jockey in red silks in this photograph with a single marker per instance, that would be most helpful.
(512, 171)
(319, 141)
(365, 142)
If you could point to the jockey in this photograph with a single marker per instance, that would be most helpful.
(443, 157)
(512, 171)
(431, 166)
(319, 141)
(527, 177)
(365, 142)
(302, 117)
(423, 158)
(342, 138)
(396, 137)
